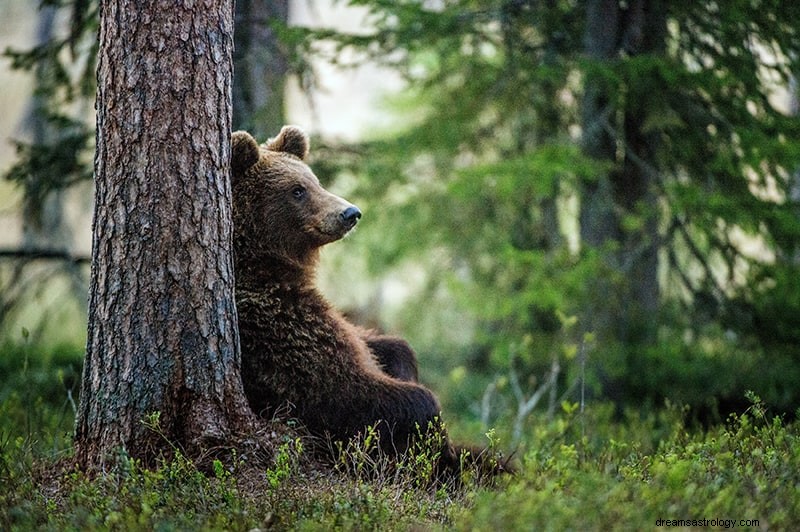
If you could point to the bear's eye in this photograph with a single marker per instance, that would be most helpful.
(298, 192)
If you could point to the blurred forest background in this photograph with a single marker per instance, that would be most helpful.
(564, 202)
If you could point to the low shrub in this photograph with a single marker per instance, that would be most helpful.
(582, 468)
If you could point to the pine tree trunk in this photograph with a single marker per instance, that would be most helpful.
(162, 334)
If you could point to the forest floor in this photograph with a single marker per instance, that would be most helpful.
(585, 470)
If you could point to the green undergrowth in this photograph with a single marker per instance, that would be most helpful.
(583, 469)
(295, 491)
(744, 474)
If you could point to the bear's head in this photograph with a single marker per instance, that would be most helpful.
(281, 213)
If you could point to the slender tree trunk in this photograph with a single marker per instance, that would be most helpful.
(635, 188)
(162, 336)
(259, 67)
(614, 133)
(598, 218)
(43, 223)
(794, 184)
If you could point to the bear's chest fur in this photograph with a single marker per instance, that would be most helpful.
(297, 349)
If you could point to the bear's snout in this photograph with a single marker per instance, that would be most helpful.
(349, 217)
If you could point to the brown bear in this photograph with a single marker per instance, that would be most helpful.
(297, 350)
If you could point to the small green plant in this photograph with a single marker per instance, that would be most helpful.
(286, 462)
(653, 467)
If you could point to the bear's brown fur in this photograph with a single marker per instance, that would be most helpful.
(297, 350)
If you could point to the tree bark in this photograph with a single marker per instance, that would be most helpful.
(162, 333)
(259, 67)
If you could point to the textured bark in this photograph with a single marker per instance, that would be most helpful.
(162, 333)
(260, 67)
(631, 298)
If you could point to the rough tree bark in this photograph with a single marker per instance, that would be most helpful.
(613, 132)
(162, 334)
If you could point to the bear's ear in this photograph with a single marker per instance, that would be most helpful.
(292, 140)
(244, 151)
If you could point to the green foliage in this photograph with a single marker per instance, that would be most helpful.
(175, 495)
(38, 395)
(53, 153)
(707, 374)
(738, 471)
(286, 461)
(488, 184)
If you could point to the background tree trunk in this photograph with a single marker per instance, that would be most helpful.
(635, 185)
(43, 225)
(259, 67)
(598, 225)
(614, 132)
(794, 184)
(162, 334)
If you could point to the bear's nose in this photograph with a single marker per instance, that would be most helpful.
(350, 216)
